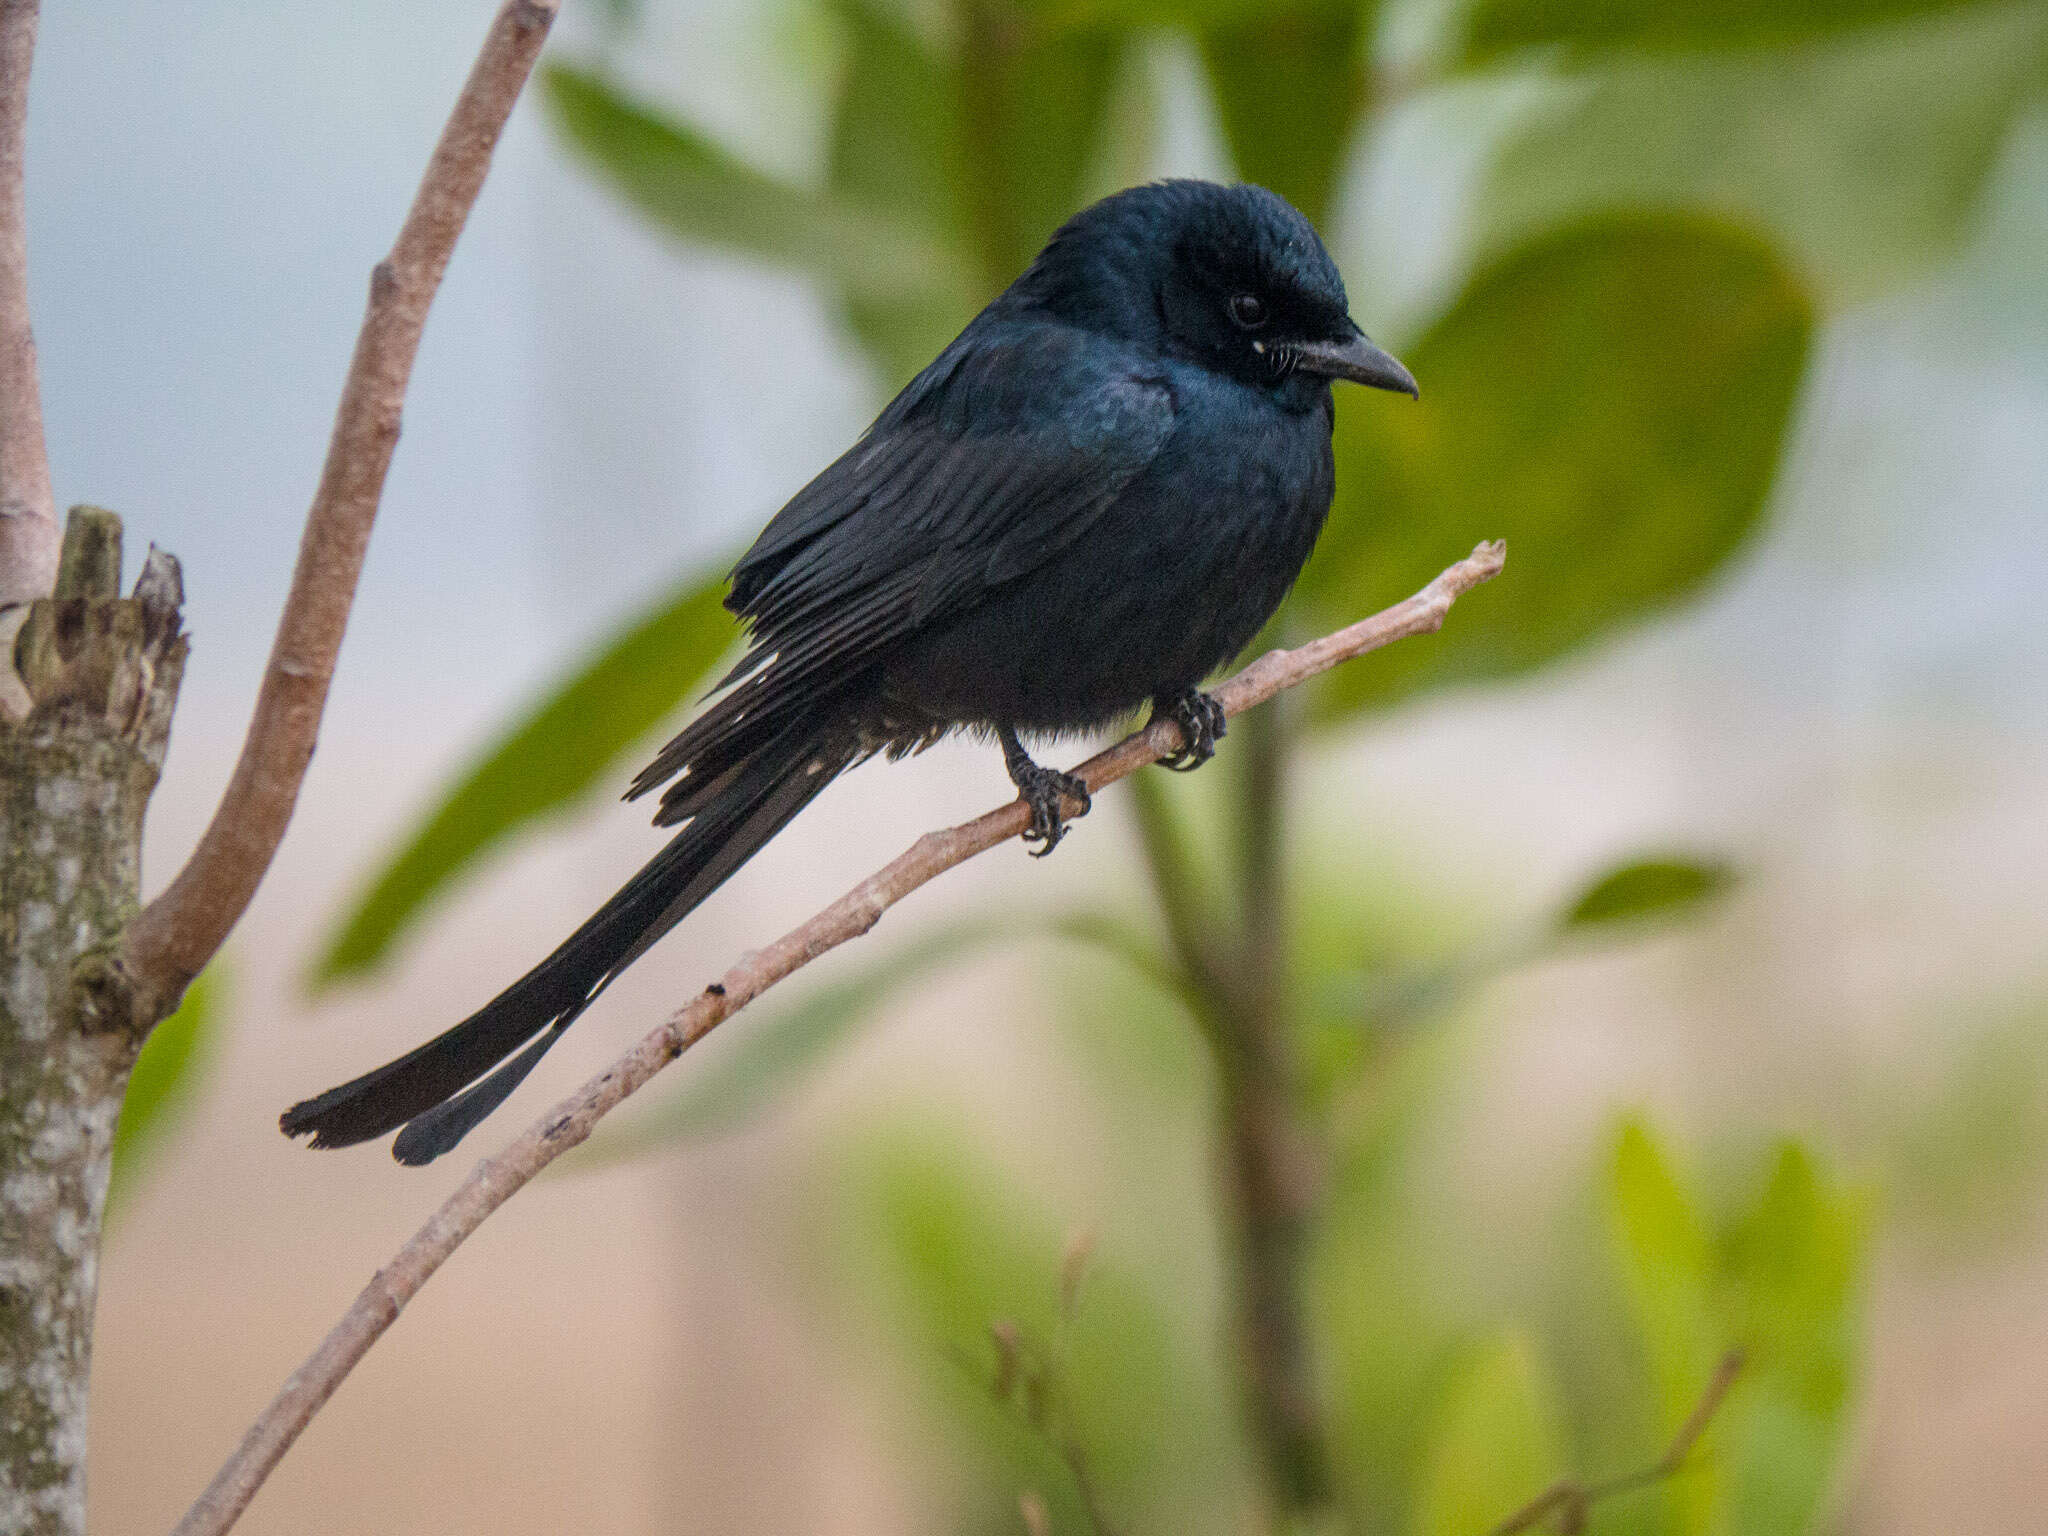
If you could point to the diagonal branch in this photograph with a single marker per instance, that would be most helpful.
(29, 535)
(496, 1179)
(1568, 1505)
(178, 932)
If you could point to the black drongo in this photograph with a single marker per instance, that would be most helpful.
(1092, 499)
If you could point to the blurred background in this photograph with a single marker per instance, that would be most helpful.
(1657, 950)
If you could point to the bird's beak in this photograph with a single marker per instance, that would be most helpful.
(1358, 360)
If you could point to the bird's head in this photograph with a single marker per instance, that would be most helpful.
(1231, 276)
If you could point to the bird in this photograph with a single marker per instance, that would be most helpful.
(1092, 499)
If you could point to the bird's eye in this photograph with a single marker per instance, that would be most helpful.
(1248, 310)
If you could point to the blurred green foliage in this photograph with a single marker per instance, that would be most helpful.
(687, 184)
(947, 1247)
(1967, 1154)
(1496, 1441)
(160, 1087)
(1553, 417)
(1496, 26)
(1683, 194)
(1290, 84)
(1382, 997)
(1464, 1422)
(1780, 1281)
(1863, 153)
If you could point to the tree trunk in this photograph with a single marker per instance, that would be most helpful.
(75, 777)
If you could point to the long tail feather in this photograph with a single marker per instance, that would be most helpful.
(435, 1091)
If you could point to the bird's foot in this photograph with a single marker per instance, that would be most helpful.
(1202, 724)
(1043, 789)
(1046, 790)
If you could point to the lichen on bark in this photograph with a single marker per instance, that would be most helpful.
(76, 774)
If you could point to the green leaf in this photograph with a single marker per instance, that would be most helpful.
(692, 188)
(1493, 27)
(1647, 888)
(1867, 158)
(1611, 400)
(1794, 1264)
(546, 762)
(1666, 1264)
(161, 1085)
(1783, 1282)
(1290, 85)
(1496, 1445)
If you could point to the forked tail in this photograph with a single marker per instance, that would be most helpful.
(440, 1091)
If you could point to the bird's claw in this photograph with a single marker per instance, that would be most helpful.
(1045, 790)
(1202, 724)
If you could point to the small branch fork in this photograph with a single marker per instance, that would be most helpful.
(496, 1179)
(1569, 1504)
(175, 935)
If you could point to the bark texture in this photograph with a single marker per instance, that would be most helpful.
(76, 774)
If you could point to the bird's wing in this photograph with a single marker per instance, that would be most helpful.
(1009, 445)
(1000, 454)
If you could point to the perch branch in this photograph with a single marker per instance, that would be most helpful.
(178, 932)
(497, 1178)
(1570, 1504)
(29, 535)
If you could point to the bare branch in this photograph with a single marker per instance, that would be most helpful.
(1570, 1504)
(178, 932)
(497, 1178)
(29, 535)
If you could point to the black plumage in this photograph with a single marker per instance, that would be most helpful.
(1091, 500)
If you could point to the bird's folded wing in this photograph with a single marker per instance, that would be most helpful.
(1002, 453)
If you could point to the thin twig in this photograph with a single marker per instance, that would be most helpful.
(497, 1178)
(176, 934)
(1570, 1503)
(29, 535)
(1030, 1383)
(1084, 1484)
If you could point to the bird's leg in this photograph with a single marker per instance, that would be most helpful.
(1202, 725)
(1042, 789)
